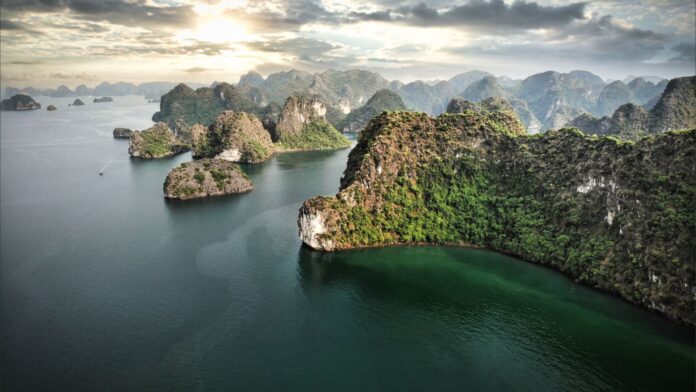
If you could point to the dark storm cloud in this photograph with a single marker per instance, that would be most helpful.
(686, 53)
(128, 13)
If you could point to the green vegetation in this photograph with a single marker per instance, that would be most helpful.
(255, 152)
(318, 134)
(156, 144)
(219, 177)
(157, 141)
(616, 215)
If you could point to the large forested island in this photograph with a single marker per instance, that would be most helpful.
(614, 214)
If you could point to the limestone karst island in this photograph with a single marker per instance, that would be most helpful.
(311, 195)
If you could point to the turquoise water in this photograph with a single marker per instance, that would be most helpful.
(106, 286)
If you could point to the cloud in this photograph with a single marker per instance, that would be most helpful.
(599, 39)
(480, 14)
(603, 38)
(10, 25)
(686, 53)
(492, 15)
(295, 46)
(404, 38)
(74, 76)
(36, 62)
(137, 13)
(164, 47)
(199, 70)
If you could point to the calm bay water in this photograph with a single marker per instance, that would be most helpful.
(105, 286)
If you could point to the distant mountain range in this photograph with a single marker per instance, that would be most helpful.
(546, 100)
(150, 90)
(675, 109)
(542, 101)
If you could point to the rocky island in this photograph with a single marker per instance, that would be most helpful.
(51, 108)
(19, 102)
(78, 102)
(205, 178)
(102, 99)
(614, 215)
(122, 133)
(157, 141)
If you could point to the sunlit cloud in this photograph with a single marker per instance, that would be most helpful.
(140, 40)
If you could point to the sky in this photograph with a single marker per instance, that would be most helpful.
(46, 43)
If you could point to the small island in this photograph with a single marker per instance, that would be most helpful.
(102, 99)
(122, 133)
(19, 102)
(155, 142)
(51, 108)
(78, 102)
(205, 178)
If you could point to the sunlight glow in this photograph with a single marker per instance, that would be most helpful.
(217, 30)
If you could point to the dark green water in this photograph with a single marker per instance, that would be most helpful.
(107, 287)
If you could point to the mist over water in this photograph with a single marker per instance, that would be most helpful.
(105, 285)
